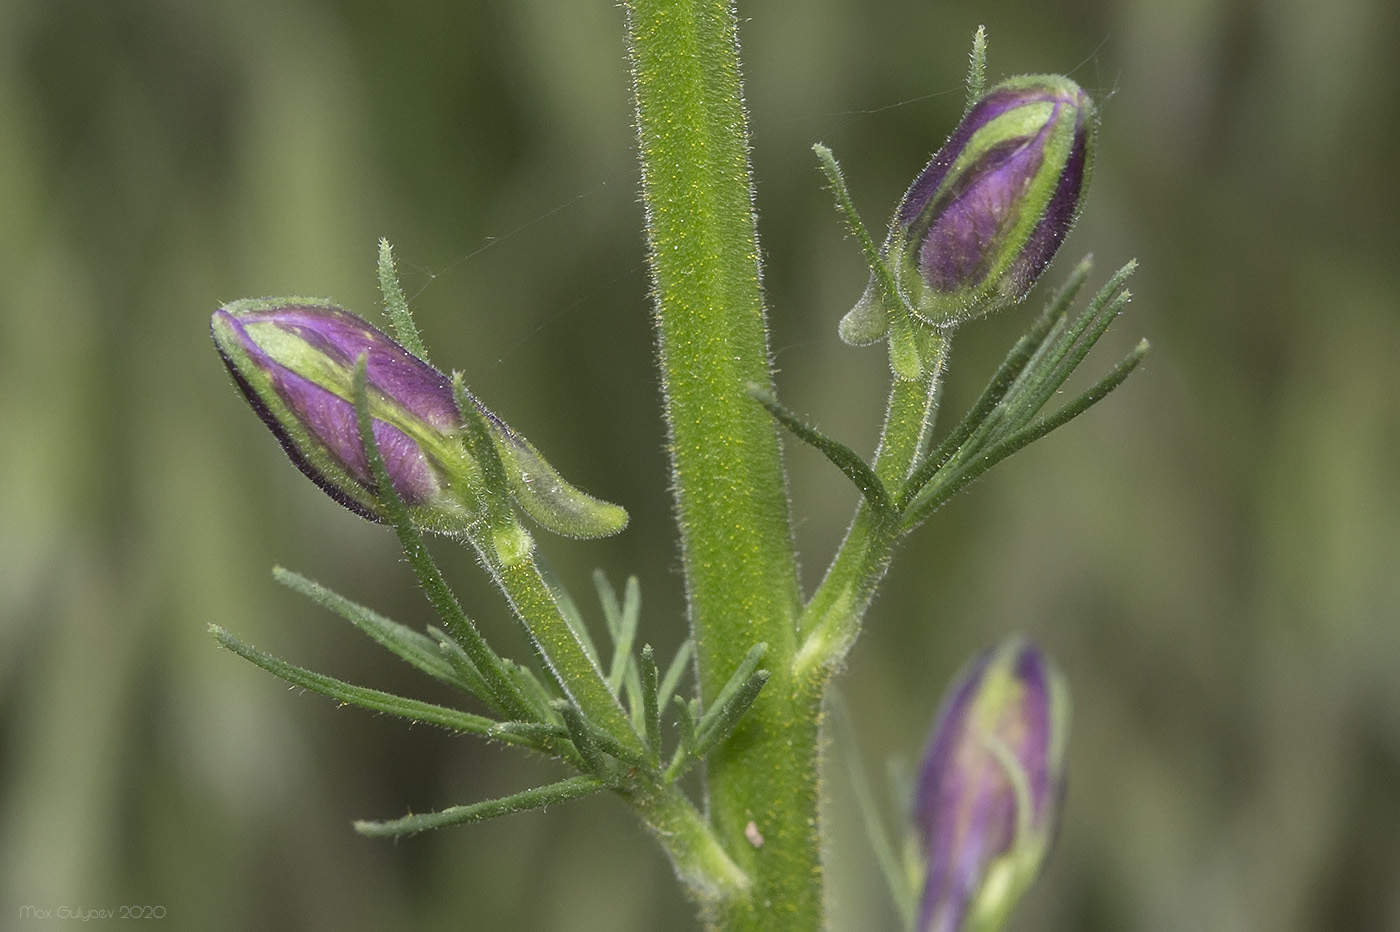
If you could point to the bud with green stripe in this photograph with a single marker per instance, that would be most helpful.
(985, 217)
(989, 790)
(294, 360)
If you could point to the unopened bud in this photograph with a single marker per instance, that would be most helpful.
(990, 788)
(985, 217)
(295, 363)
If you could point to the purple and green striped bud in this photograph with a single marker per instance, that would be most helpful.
(294, 360)
(989, 790)
(985, 217)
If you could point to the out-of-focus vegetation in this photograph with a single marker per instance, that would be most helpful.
(1213, 555)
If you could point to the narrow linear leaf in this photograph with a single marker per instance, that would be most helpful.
(890, 864)
(676, 670)
(685, 746)
(977, 67)
(1091, 327)
(651, 710)
(417, 649)
(607, 598)
(452, 653)
(938, 492)
(533, 691)
(1006, 376)
(632, 676)
(840, 455)
(585, 739)
(626, 637)
(1061, 351)
(1045, 384)
(737, 684)
(539, 798)
(722, 718)
(600, 739)
(504, 697)
(1063, 415)
(364, 697)
(1074, 345)
(396, 305)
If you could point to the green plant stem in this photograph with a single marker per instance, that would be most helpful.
(832, 617)
(559, 647)
(731, 502)
(711, 878)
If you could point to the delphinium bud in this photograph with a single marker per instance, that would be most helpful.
(989, 790)
(295, 359)
(295, 362)
(984, 218)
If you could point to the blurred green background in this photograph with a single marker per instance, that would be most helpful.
(1213, 555)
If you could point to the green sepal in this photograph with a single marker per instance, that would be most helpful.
(684, 756)
(546, 497)
(537, 487)
(867, 322)
(651, 710)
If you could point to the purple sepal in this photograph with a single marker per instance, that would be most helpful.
(987, 214)
(335, 339)
(917, 198)
(393, 371)
(961, 242)
(1059, 216)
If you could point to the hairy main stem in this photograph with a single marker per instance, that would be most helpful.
(731, 496)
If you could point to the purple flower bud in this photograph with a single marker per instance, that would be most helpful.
(294, 359)
(295, 363)
(990, 788)
(985, 217)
